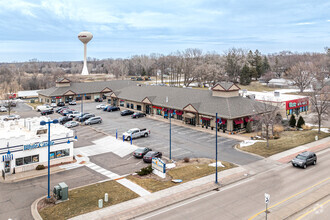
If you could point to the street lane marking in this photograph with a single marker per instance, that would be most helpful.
(194, 199)
(291, 197)
(312, 210)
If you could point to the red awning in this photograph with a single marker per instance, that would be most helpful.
(247, 119)
(170, 110)
(238, 121)
(178, 112)
(206, 119)
(157, 107)
(164, 109)
(223, 121)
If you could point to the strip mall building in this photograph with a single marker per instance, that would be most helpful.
(191, 106)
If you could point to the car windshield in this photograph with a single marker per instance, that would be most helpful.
(130, 131)
(301, 157)
(140, 150)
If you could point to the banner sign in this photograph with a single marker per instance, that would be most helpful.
(297, 103)
(37, 145)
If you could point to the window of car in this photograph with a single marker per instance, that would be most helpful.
(301, 157)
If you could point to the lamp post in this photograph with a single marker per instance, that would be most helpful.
(216, 148)
(82, 103)
(170, 136)
(55, 121)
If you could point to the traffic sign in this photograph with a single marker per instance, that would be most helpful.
(267, 198)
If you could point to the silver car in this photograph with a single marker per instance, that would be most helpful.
(93, 120)
(3, 109)
(71, 124)
(11, 117)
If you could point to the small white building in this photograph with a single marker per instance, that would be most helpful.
(24, 145)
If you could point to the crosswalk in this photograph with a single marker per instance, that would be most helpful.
(102, 171)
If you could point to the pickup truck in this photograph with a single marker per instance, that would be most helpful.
(135, 133)
(43, 107)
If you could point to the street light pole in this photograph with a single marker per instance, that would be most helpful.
(216, 148)
(170, 138)
(55, 121)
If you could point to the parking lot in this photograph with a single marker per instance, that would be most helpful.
(186, 142)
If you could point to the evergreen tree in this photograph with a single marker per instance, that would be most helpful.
(300, 122)
(265, 65)
(245, 76)
(292, 121)
(258, 63)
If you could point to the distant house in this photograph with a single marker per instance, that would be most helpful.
(282, 83)
(28, 94)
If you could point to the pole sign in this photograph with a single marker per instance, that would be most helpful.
(267, 198)
(37, 145)
(158, 164)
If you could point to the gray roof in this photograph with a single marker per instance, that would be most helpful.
(87, 87)
(225, 85)
(201, 100)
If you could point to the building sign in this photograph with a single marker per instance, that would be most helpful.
(37, 145)
(296, 103)
(158, 164)
(156, 107)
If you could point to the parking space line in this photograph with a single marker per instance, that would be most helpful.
(129, 157)
(138, 163)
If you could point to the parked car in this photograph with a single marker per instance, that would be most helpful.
(80, 115)
(43, 107)
(113, 108)
(85, 117)
(47, 112)
(74, 114)
(106, 108)
(93, 120)
(126, 112)
(138, 115)
(3, 109)
(61, 109)
(64, 119)
(141, 151)
(135, 133)
(11, 117)
(151, 154)
(66, 112)
(98, 100)
(72, 102)
(101, 106)
(53, 105)
(60, 104)
(71, 124)
(304, 159)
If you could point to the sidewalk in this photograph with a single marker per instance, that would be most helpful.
(220, 133)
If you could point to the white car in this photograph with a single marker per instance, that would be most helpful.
(135, 133)
(11, 117)
(71, 124)
(53, 105)
(43, 107)
(74, 114)
(101, 106)
(3, 109)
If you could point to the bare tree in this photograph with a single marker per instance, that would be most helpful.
(234, 62)
(302, 75)
(320, 98)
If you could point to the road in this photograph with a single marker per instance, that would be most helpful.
(245, 199)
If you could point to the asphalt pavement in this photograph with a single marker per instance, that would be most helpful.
(289, 187)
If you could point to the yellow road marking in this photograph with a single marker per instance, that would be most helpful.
(290, 197)
(312, 210)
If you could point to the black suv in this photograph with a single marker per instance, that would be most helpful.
(304, 159)
(85, 117)
(60, 104)
(64, 119)
(47, 112)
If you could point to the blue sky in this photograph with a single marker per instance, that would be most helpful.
(48, 29)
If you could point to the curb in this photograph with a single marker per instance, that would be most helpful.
(29, 106)
(34, 209)
(256, 155)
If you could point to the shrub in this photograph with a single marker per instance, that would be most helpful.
(276, 136)
(292, 121)
(300, 122)
(145, 171)
(40, 167)
(278, 128)
(186, 159)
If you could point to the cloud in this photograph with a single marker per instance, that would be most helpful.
(23, 7)
(305, 23)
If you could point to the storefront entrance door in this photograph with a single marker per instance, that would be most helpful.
(148, 109)
(7, 166)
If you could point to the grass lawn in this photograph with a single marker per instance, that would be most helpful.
(186, 173)
(35, 104)
(287, 140)
(256, 86)
(85, 200)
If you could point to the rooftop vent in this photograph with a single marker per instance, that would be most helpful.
(276, 93)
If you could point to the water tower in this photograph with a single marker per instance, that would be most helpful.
(85, 37)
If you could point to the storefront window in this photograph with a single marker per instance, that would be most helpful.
(179, 117)
(88, 97)
(159, 112)
(206, 123)
(27, 160)
(59, 153)
(138, 107)
(132, 106)
(19, 162)
(122, 103)
(127, 105)
(35, 158)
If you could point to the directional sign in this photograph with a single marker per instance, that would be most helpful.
(267, 197)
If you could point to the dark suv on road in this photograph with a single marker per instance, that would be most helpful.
(304, 159)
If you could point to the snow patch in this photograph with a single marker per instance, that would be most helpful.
(249, 142)
(219, 164)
